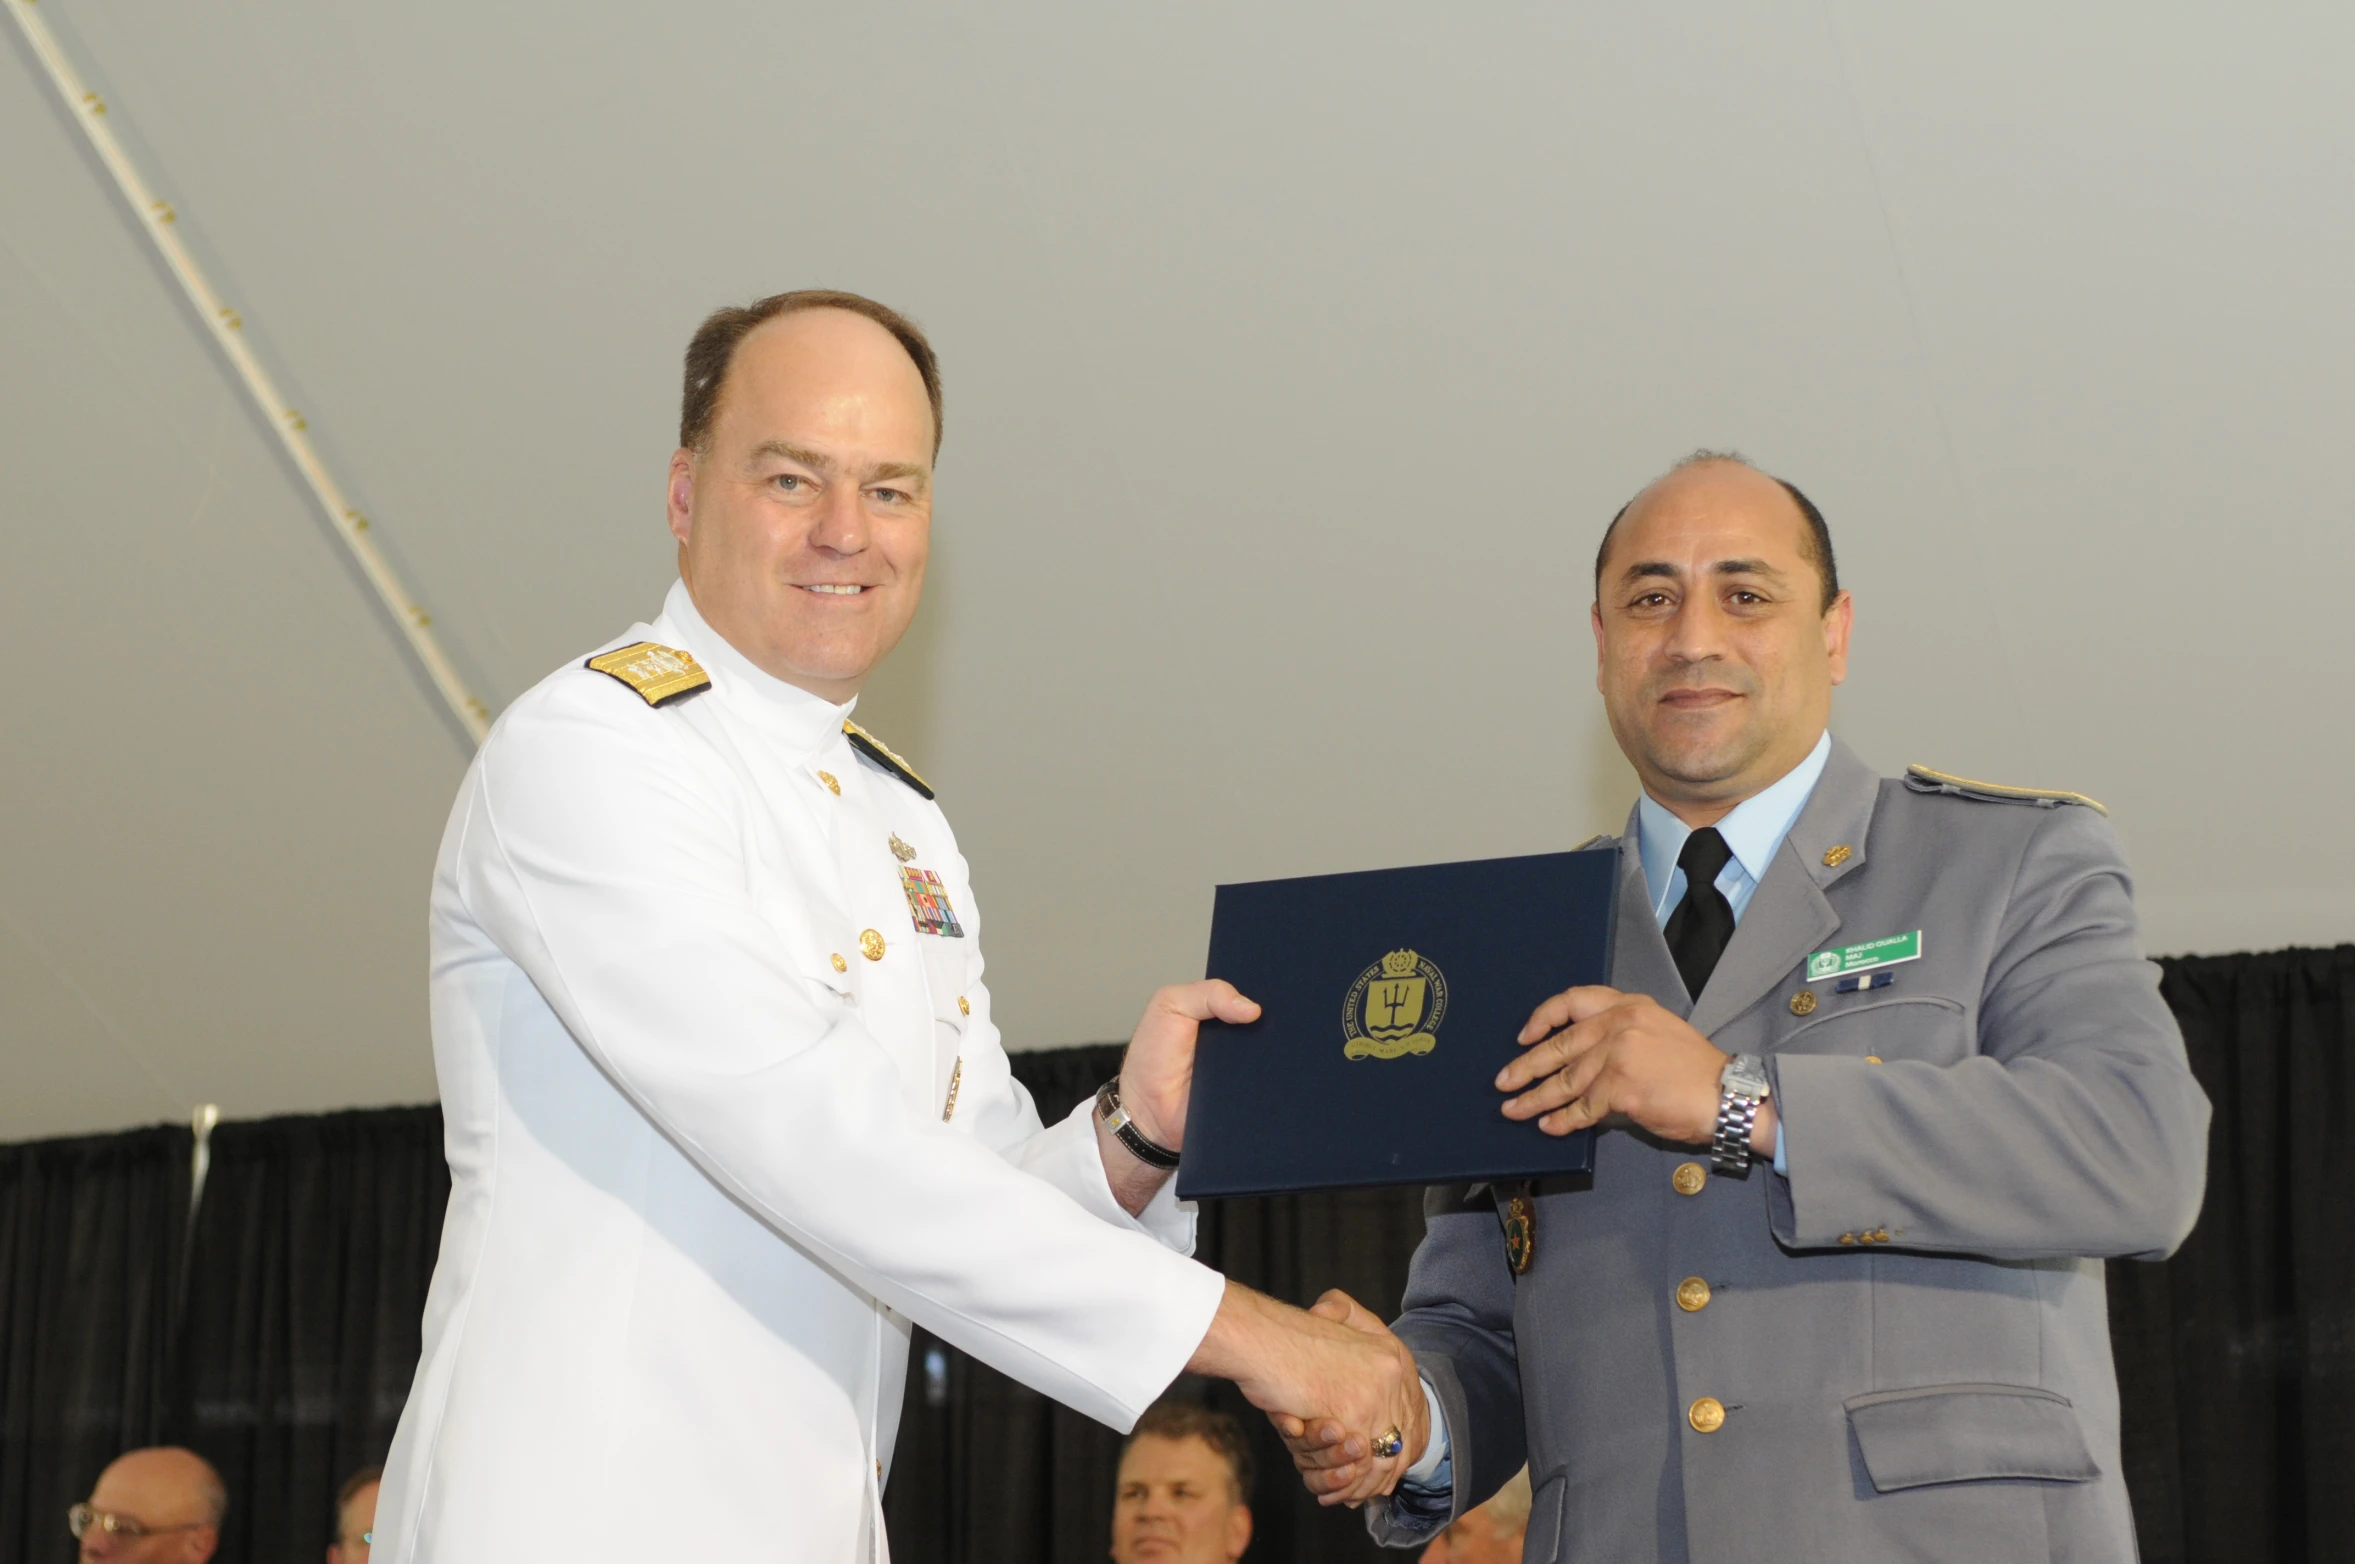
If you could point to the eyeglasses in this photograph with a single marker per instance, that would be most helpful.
(81, 1520)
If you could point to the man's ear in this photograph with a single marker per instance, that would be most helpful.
(1836, 623)
(1238, 1530)
(1594, 617)
(681, 495)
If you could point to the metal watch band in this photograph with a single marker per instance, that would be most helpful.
(1736, 1113)
(1124, 1128)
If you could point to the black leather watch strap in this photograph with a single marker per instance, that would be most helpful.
(1116, 1119)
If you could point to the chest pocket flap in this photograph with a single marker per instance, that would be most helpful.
(1928, 1027)
(1968, 1433)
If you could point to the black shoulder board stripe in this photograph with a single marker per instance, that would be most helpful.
(660, 674)
(877, 751)
(1923, 780)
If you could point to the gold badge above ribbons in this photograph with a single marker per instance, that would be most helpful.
(1394, 1008)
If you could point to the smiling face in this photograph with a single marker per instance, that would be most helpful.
(1176, 1504)
(805, 520)
(1715, 654)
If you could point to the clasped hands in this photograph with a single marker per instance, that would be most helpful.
(1334, 1380)
(1592, 1055)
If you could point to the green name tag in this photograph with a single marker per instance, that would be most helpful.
(1863, 958)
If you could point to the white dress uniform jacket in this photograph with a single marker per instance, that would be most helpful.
(697, 1055)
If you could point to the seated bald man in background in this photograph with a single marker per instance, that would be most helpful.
(1491, 1534)
(159, 1506)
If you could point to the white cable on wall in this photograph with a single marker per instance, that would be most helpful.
(228, 331)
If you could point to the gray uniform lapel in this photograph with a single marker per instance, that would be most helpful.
(1789, 916)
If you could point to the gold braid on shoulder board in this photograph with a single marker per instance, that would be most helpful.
(660, 674)
(1924, 780)
(879, 752)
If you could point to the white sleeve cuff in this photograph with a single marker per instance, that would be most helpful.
(1435, 1451)
(1067, 1156)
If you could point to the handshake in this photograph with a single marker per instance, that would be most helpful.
(1340, 1389)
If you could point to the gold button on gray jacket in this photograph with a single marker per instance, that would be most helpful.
(1901, 1349)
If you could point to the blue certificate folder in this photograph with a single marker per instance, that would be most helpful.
(1390, 999)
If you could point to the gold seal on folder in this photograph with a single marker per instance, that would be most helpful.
(1394, 1008)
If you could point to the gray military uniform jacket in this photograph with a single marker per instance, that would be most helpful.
(1908, 1334)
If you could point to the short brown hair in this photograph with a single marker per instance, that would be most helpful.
(1189, 1420)
(713, 348)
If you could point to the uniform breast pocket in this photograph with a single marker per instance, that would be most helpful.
(1927, 1027)
(819, 959)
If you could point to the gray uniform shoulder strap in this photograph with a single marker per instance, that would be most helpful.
(1924, 780)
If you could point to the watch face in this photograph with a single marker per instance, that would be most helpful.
(1745, 1073)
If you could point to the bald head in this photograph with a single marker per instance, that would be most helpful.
(171, 1494)
(1704, 470)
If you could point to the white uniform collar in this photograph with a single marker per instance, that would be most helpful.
(803, 723)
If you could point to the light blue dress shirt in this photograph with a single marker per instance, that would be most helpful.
(1754, 830)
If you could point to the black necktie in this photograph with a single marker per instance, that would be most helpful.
(1704, 920)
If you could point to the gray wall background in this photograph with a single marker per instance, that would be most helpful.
(1295, 355)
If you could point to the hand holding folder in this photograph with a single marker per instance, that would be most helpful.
(1391, 1000)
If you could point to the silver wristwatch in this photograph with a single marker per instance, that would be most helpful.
(1741, 1087)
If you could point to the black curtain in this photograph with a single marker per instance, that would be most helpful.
(294, 1324)
(2236, 1359)
(306, 1287)
(987, 1470)
(91, 1235)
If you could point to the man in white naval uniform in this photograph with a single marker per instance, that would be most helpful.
(725, 1109)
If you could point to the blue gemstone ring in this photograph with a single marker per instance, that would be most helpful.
(1390, 1443)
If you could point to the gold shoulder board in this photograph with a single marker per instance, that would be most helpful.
(879, 752)
(659, 674)
(1923, 780)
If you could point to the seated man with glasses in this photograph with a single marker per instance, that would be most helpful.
(161, 1506)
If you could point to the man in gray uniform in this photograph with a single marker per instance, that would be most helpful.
(1882, 1077)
